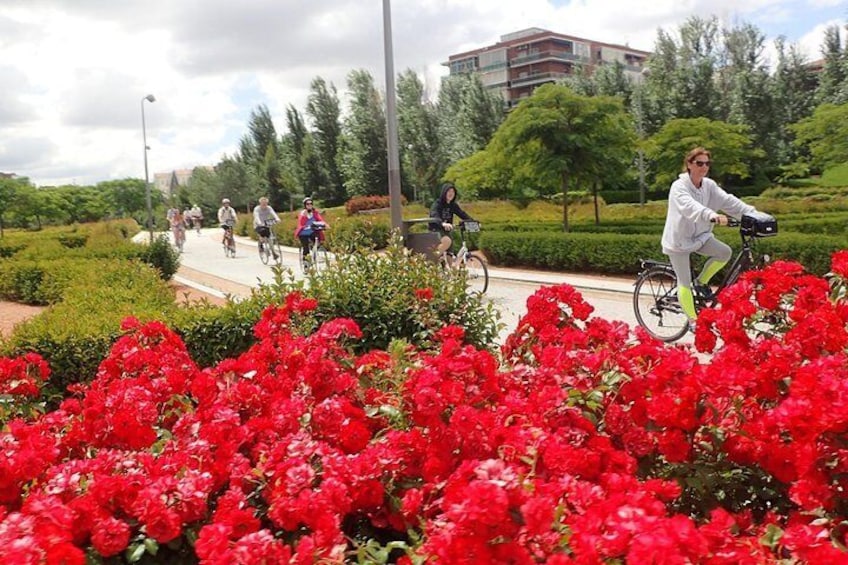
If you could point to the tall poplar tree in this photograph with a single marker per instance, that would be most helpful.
(833, 79)
(422, 158)
(362, 153)
(324, 110)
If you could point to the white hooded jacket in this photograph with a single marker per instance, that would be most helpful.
(690, 209)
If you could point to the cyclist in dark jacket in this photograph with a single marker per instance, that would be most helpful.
(442, 213)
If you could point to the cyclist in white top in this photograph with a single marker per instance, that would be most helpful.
(693, 204)
(261, 215)
(227, 217)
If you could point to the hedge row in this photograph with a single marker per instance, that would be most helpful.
(365, 203)
(576, 252)
(75, 333)
(827, 223)
(621, 254)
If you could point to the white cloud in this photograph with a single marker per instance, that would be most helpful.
(75, 71)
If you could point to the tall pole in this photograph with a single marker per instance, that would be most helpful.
(391, 120)
(149, 98)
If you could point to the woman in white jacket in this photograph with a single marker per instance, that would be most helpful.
(694, 202)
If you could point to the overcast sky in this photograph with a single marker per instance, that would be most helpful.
(73, 72)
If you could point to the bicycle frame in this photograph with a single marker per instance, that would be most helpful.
(476, 272)
(742, 261)
(269, 245)
(316, 258)
(229, 241)
(655, 291)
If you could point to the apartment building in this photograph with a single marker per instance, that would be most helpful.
(169, 182)
(525, 59)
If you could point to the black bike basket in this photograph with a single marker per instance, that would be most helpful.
(758, 224)
(471, 226)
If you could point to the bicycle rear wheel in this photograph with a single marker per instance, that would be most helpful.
(264, 251)
(476, 273)
(656, 307)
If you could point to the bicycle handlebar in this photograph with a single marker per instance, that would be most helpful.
(731, 222)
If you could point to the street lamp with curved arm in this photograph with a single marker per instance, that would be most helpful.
(149, 98)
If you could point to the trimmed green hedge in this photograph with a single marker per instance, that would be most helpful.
(576, 252)
(75, 334)
(620, 254)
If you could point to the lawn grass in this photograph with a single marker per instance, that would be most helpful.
(836, 176)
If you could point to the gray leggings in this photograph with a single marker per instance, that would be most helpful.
(714, 249)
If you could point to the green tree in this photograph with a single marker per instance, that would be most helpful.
(555, 139)
(422, 158)
(9, 188)
(325, 111)
(729, 144)
(681, 74)
(303, 163)
(608, 79)
(792, 87)
(126, 197)
(237, 180)
(486, 175)
(747, 93)
(824, 135)
(468, 115)
(362, 154)
(260, 150)
(833, 79)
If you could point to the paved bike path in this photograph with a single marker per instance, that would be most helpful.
(203, 255)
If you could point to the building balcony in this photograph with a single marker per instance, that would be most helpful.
(537, 78)
(547, 56)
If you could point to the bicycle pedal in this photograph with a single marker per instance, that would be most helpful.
(703, 291)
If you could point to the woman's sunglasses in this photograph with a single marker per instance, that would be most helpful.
(703, 163)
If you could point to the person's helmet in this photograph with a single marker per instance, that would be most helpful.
(307, 199)
(225, 201)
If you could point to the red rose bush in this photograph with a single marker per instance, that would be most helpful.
(584, 442)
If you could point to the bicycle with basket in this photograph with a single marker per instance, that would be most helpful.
(270, 246)
(655, 290)
(317, 259)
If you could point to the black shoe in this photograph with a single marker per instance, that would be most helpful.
(704, 291)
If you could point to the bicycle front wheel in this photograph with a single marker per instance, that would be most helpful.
(476, 274)
(321, 260)
(230, 248)
(264, 251)
(277, 251)
(656, 306)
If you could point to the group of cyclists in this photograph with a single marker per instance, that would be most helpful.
(180, 221)
(695, 205)
(264, 216)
